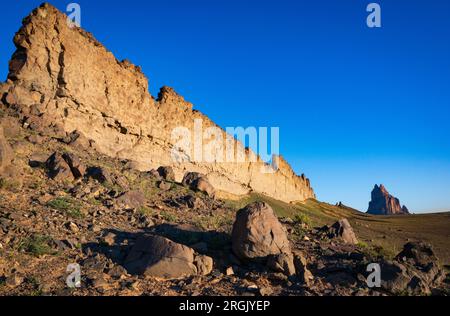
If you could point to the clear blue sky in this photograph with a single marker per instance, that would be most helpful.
(355, 106)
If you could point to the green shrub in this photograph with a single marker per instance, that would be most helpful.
(37, 245)
(9, 185)
(70, 207)
(301, 218)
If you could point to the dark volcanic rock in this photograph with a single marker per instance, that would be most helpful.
(383, 203)
(415, 271)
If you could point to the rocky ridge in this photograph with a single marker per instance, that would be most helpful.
(109, 108)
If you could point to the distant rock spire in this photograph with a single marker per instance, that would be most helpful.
(383, 203)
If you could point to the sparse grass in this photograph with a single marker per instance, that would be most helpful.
(146, 211)
(215, 222)
(376, 251)
(112, 187)
(302, 218)
(389, 232)
(35, 284)
(71, 207)
(94, 201)
(9, 185)
(37, 245)
(168, 217)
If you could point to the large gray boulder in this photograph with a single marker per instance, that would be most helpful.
(161, 258)
(257, 233)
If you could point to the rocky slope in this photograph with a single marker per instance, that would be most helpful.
(144, 233)
(383, 203)
(61, 80)
(64, 202)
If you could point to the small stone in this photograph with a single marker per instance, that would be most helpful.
(14, 280)
(165, 186)
(109, 239)
(204, 264)
(72, 227)
(229, 271)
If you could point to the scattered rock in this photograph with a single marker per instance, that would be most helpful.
(204, 264)
(229, 271)
(166, 173)
(301, 268)
(160, 257)
(131, 200)
(72, 227)
(198, 182)
(415, 271)
(99, 174)
(283, 263)
(14, 280)
(38, 160)
(75, 165)
(57, 168)
(35, 139)
(109, 239)
(342, 229)
(257, 233)
(165, 186)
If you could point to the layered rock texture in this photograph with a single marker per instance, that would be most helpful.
(383, 203)
(66, 84)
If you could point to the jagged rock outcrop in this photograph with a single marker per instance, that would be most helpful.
(62, 80)
(383, 203)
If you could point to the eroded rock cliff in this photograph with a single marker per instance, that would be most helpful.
(64, 82)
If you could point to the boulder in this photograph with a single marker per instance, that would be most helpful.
(283, 263)
(166, 173)
(301, 268)
(198, 182)
(131, 200)
(257, 233)
(75, 165)
(414, 271)
(343, 229)
(204, 264)
(159, 257)
(99, 174)
(38, 160)
(57, 168)
(61, 167)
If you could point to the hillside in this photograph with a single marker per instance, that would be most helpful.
(388, 232)
(88, 185)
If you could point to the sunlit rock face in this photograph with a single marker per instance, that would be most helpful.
(64, 80)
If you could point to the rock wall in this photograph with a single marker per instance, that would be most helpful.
(63, 78)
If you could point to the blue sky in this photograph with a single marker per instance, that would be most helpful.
(355, 106)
